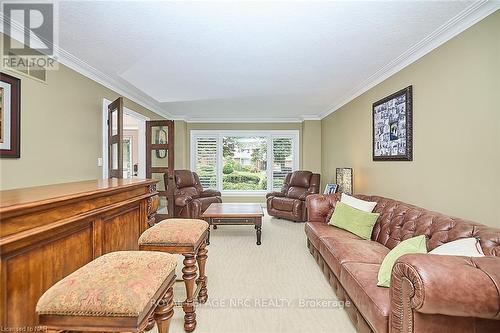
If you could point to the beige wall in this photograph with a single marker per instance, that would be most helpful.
(311, 145)
(180, 145)
(456, 166)
(61, 130)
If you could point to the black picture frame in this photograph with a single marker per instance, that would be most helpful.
(392, 127)
(14, 149)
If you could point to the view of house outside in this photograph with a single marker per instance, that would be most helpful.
(246, 164)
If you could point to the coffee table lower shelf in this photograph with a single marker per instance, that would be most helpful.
(255, 221)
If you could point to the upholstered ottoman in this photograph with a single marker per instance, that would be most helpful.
(189, 238)
(124, 291)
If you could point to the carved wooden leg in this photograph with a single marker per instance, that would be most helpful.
(189, 276)
(258, 226)
(165, 311)
(202, 278)
(151, 322)
(208, 236)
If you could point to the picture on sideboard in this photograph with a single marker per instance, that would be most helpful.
(330, 188)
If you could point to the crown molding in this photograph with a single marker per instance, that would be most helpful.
(222, 120)
(462, 21)
(69, 60)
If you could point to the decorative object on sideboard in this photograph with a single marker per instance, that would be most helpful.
(330, 188)
(392, 127)
(10, 112)
(344, 180)
(161, 138)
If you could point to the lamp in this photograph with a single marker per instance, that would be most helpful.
(344, 180)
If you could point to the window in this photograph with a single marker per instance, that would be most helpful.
(244, 161)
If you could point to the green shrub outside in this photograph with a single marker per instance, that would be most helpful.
(242, 177)
(228, 169)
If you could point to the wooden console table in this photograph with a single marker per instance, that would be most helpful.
(47, 232)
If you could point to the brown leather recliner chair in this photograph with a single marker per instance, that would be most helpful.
(290, 203)
(190, 200)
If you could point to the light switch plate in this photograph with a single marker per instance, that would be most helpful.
(99, 161)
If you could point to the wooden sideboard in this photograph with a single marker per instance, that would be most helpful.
(47, 232)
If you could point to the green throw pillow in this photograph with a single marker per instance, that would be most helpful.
(411, 245)
(353, 220)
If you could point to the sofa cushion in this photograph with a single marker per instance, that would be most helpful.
(316, 230)
(338, 250)
(360, 282)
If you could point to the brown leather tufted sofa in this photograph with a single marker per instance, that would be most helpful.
(290, 202)
(190, 198)
(429, 293)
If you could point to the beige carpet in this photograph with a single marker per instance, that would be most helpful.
(274, 287)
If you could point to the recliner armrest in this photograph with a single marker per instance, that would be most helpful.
(210, 193)
(275, 194)
(448, 285)
(182, 201)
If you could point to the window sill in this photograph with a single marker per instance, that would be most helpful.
(244, 193)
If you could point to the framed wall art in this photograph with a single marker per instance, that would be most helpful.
(392, 127)
(10, 112)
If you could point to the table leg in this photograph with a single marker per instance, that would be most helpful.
(258, 227)
(209, 221)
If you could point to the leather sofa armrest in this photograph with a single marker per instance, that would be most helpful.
(320, 206)
(448, 285)
(183, 200)
(209, 193)
(275, 194)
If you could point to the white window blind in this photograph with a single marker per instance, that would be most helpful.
(206, 161)
(244, 161)
(283, 160)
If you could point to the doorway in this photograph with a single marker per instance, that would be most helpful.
(134, 143)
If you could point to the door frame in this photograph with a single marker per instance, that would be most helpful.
(141, 172)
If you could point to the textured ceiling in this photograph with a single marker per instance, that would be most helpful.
(246, 60)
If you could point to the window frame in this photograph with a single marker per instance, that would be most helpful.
(269, 134)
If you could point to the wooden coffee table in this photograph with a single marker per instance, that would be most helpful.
(235, 214)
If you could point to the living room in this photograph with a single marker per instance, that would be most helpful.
(321, 166)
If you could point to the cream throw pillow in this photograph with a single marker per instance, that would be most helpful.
(468, 247)
(365, 206)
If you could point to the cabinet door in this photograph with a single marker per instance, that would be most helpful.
(115, 139)
(160, 163)
(121, 229)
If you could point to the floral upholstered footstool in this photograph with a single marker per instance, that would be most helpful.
(125, 291)
(189, 238)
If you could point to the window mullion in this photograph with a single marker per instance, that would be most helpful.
(270, 163)
(219, 162)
